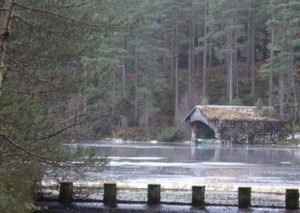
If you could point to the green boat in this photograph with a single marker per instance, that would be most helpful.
(207, 141)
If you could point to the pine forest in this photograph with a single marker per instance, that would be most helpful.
(76, 70)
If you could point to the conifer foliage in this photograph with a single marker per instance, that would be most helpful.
(74, 70)
(44, 75)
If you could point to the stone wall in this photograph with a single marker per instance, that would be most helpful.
(245, 131)
(251, 132)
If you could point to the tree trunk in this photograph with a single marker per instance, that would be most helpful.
(235, 66)
(190, 60)
(84, 104)
(296, 109)
(123, 79)
(225, 68)
(252, 49)
(230, 72)
(265, 47)
(176, 86)
(271, 69)
(285, 61)
(124, 68)
(113, 92)
(147, 112)
(4, 33)
(209, 71)
(204, 76)
(176, 76)
(248, 63)
(191, 64)
(230, 95)
(193, 51)
(136, 82)
(172, 62)
(281, 95)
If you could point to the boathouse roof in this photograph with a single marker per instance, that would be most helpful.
(225, 112)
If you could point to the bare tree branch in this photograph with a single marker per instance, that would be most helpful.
(53, 162)
(61, 16)
(8, 154)
(39, 27)
(12, 162)
(69, 6)
(5, 137)
(66, 128)
(30, 74)
(59, 131)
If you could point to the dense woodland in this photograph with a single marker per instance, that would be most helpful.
(189, 52)
(77, 70)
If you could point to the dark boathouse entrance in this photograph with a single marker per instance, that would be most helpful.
(201, 130)
(201, 127)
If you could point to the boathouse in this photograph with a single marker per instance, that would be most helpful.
(236, 124)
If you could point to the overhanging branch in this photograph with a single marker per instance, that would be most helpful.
(59, 131)
(30, 153)
(46, 137)
(29, 73)
(39, 27)
(33, 9)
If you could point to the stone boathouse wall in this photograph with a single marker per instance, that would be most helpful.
(250, 131)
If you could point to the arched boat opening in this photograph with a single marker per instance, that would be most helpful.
(201, 130)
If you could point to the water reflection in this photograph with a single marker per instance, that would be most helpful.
(177, 162)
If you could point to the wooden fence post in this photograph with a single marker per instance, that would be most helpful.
(153, 194)
(110, 194)
(65, 193)
(244, 197)
(198, 196)
(292, 199)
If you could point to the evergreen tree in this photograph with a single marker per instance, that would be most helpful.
(42, 46)
(283, 25)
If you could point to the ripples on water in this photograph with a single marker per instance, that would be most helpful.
(178, 166)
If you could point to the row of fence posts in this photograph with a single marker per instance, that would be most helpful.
(198, 195)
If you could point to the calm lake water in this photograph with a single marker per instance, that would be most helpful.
(269, 170)
(181, 165)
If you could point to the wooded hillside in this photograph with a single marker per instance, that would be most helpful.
(78, 70)
(162, 58)
(190, 52)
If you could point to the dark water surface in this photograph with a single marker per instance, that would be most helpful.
(269, 170)
(180, 165)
